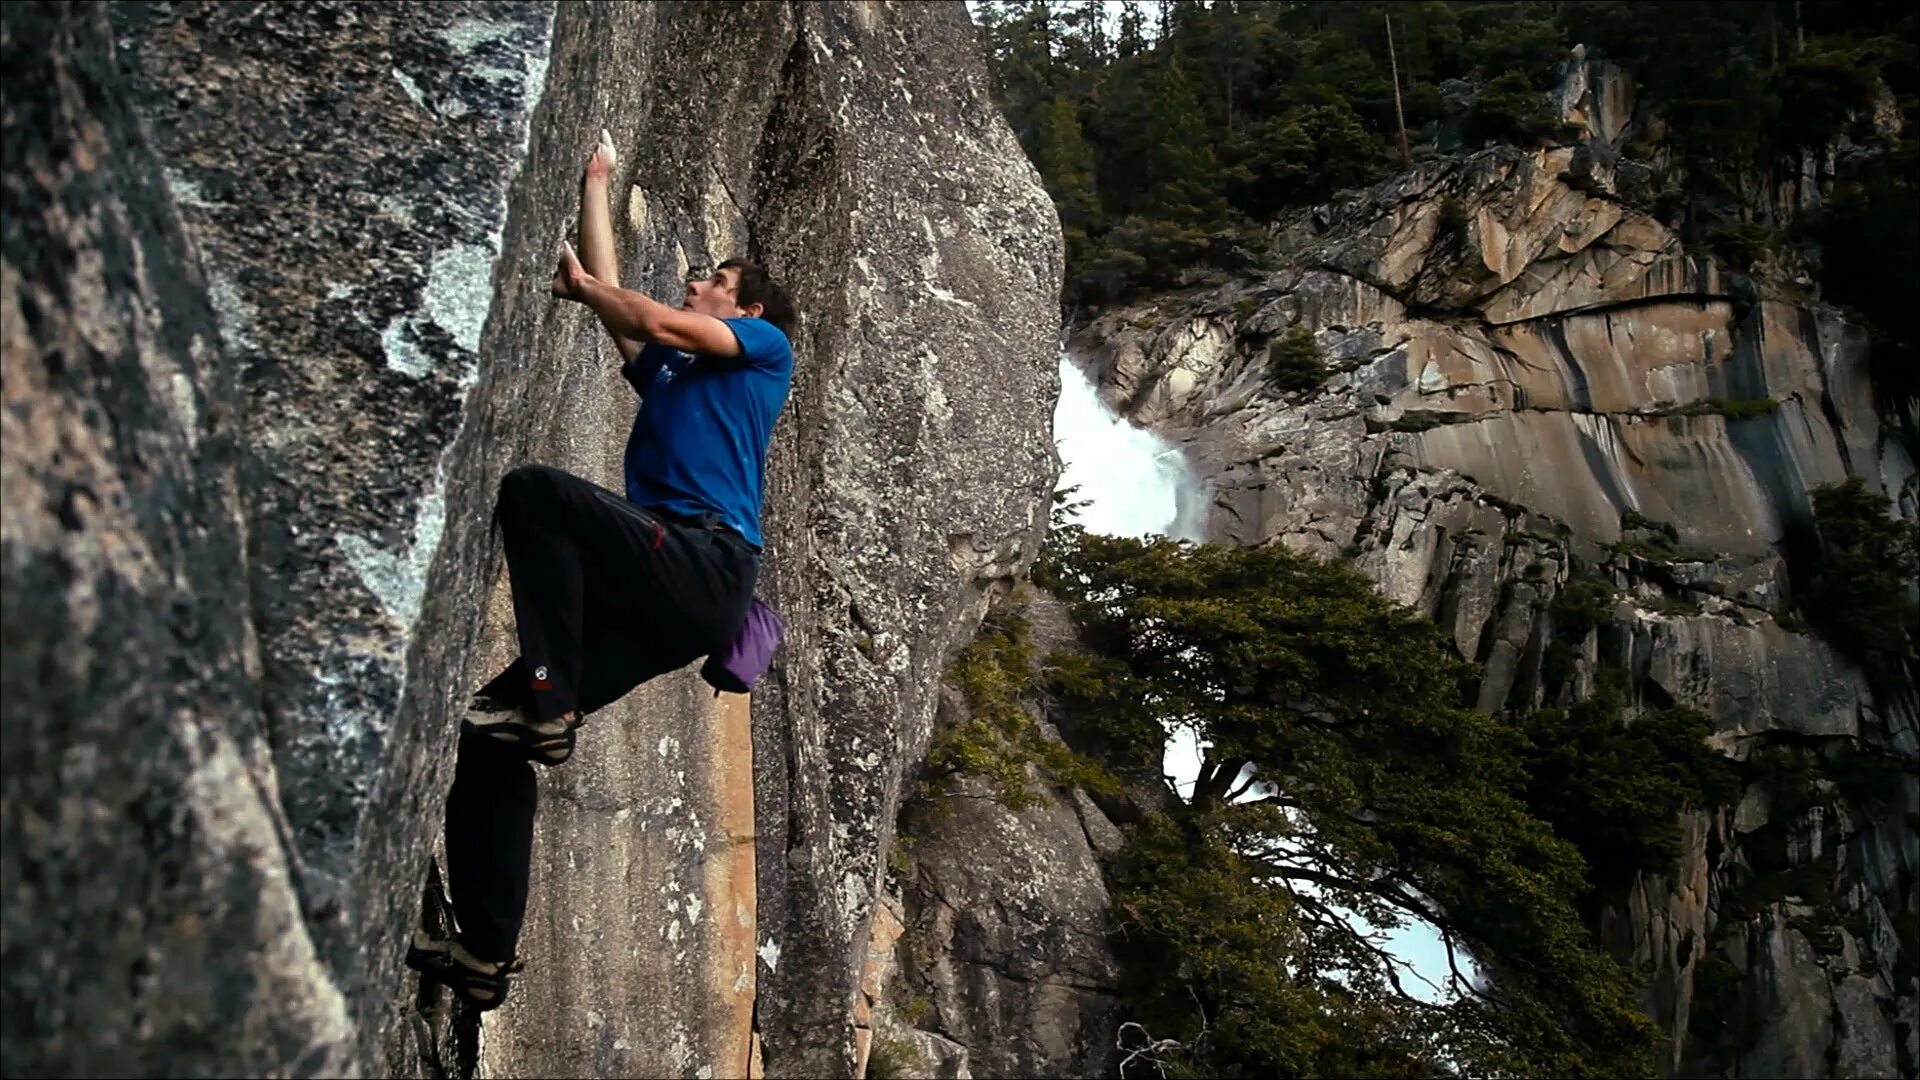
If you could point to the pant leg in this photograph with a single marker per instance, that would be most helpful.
(548, 578)
(490, 844)
(620, 654)
(510, 686)
(585, 563)
(653, 596)
(490, 811)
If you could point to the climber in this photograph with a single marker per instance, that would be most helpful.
(609, 592)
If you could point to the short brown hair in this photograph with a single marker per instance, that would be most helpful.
(758, 287)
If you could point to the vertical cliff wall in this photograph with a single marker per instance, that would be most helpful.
(278, 322)
(152, 922)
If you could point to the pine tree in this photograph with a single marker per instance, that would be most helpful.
(1132, 39)
(1342, 777)
(1065, 161)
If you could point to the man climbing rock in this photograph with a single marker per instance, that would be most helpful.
(610, 591)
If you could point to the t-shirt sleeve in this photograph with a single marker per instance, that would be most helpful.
(644, 366)
(762, 345)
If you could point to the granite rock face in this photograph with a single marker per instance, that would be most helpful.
(151, 922)
(344, 172)
(1530, 378)
(991, 953)
(913, 475)
(1003, 948)
(278, 322)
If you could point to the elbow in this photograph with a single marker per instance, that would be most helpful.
(650, 328)
(648, 321)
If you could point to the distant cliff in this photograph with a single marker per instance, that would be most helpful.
(1517, 382)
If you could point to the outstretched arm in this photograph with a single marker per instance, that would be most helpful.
(596, 230)
(636, 316)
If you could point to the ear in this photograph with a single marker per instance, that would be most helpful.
(753, 311)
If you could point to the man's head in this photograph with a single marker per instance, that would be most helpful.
(740, 288)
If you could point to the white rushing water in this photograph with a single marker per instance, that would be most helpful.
(1136, 484)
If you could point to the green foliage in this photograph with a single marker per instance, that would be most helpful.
(1390, 799)
(1204, 634)
(1000, 740)
(1509, 110)
(1657, 549)
(1582, 606)
(1700, 63)
(1194, 916)
(1862, 595)
(1065, 161)
(1616, 789)
(1294, 361)
(1787, 775)
(1659, 541)
(1717, 1016)
(1821, 92)
(1742, 244)
(1634, 519)
(914, 1009)
(1450, 226)
(900, 855)
(1773, 879)
(1865, 775)
(893, 1059)
(1107, 275)
(1523, 39)
(1305, 155)
(1869, 238)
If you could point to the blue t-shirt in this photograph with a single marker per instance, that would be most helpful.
(699, 440)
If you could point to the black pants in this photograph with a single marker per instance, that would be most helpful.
(606, 595)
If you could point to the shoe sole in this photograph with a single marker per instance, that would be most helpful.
(549, 748)
(440, 966)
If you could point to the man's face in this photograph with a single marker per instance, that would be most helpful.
(717, 295)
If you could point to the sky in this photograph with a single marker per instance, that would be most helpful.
(1150, 8)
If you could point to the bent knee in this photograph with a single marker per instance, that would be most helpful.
(525, 485)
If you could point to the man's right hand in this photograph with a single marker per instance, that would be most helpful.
(601, 162)
(570, 278)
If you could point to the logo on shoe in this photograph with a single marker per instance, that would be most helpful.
(540, 679)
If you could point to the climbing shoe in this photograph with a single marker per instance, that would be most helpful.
(477, 982)
(487, 703)
(545, 742)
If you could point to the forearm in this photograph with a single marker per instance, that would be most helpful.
(623, 312)
(596, 230)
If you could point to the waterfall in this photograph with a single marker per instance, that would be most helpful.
(1135, 483)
